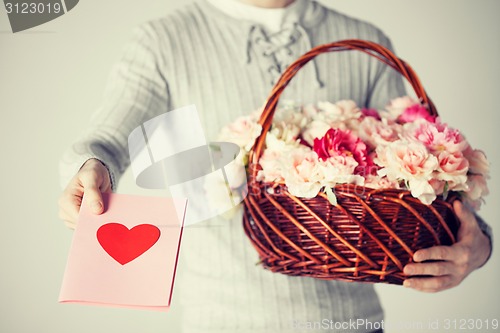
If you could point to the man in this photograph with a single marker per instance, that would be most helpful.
(224, 56)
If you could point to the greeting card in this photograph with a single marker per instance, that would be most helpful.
(127, 256)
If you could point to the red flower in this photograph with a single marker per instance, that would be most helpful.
(370, 113)
(337, 142)
(415, 112)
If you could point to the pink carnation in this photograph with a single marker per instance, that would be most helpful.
(411, 162)
(338, 142)
(477, 189)
(370, 113)
(453, 169)
(437, 136)
(272, 167)
(478, 164)
(414, 112)
(398, 105)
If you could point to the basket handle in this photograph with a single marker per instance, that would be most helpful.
(373, 49)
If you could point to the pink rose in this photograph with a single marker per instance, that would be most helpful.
(337, 142)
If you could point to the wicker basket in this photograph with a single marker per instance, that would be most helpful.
(369, 236)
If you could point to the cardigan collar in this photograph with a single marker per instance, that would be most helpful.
(309, 14)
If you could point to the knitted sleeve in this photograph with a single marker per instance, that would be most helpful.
(136, 91)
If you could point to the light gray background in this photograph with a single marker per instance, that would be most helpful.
(52, 77)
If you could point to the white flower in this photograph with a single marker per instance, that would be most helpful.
(290, 113)
(398, 105)
(302, 175)
(221, 198)
(235, 171)
(377, 182)
(287, 132)
(242, 132)
(339, 170)
(273, 158)
(378, 132)
(343, 115)
(340, 111)
(315, 129)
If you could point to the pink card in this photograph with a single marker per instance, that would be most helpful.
(127, 256)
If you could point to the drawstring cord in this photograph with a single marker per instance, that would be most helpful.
(277, 43)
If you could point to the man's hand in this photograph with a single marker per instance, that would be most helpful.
(454, 262)
(91, 180)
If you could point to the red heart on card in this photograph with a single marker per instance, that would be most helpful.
(124, 244)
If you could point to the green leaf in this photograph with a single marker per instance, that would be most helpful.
(331, 196)
(445, 191)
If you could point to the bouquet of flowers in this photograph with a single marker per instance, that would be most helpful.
(314, 148)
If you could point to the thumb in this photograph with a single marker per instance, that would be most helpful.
(466, 217)
(93, 198)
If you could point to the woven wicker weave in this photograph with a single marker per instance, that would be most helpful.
(368, 236)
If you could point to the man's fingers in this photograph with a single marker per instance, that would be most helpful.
(434, 253)
(68, 218)
(431, 268)
(69, 206)
(70, 224)
(91, 179)
(431, 284)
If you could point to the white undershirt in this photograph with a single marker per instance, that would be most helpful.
(272, 19)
